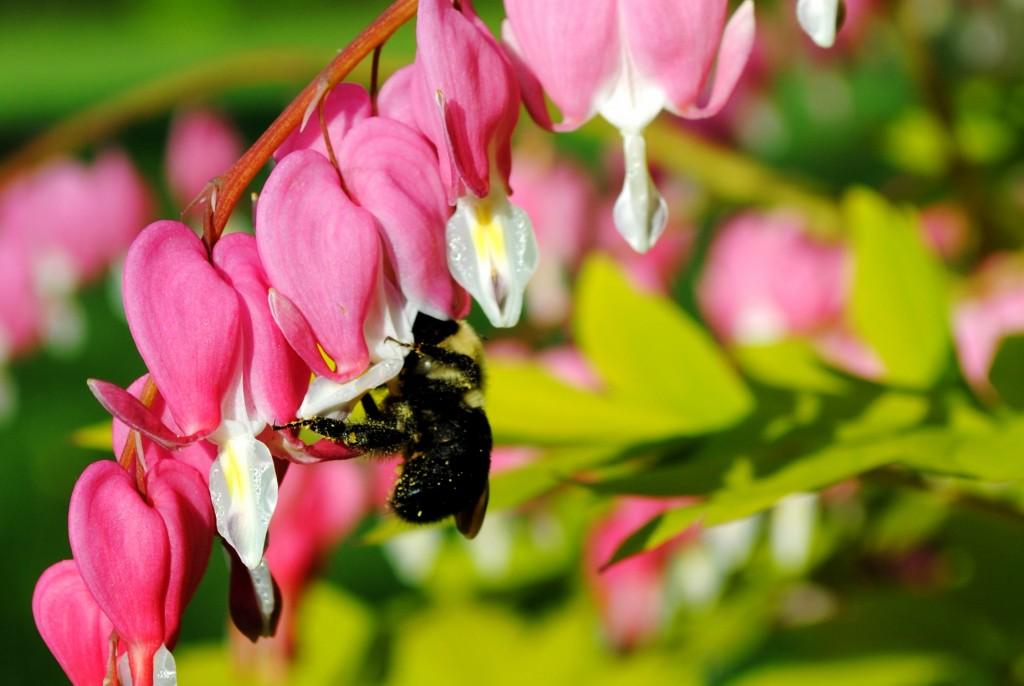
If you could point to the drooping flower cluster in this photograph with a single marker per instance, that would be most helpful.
(61, 226)
(387, 210)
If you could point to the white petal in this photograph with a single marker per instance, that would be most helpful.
(413, 554)
(631, 101)
(492, 253)
(640, 213)
(730, 544)
(792, 531)
(63, 324)
(165, 671)
(263, 585)
(693, 577)
(327, 397)
(818, 20)
(243, 488)
(389, 321)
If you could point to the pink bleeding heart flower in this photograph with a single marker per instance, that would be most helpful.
(631, 594)
(323, 256)
(461, 92)
(201, 146)
(72, 625)
(141, 558)
(77, 218)
(765, 278)
(345, 106)
(20, 311)
(198, 455)
(220, 364)
(989, 308)
(320, 504)
(627, 60)
(390, 170)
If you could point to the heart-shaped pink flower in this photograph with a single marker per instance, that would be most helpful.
(185, 320)
(322, 254)
(72, 625)
(141, 558)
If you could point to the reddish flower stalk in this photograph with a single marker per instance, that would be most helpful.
(127, 458)
(223, 193)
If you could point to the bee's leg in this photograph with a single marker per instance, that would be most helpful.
(379, 437)
(370, 407)
(464, 363)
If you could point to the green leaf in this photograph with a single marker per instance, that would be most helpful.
(1007, 372)
(647, 349)
(790, 364)
(877, 670)
(899, 303)
(528, 406)
(809, 471)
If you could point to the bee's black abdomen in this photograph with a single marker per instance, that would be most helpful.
(445, 472)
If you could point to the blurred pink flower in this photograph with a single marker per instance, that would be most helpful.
(319, 505)
(559, 198)
(765, 279)
(76, 218)
(631, 594)
(990, 308)
(201, 145)
(947, 230)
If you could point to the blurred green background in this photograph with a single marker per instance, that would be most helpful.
(903, 587)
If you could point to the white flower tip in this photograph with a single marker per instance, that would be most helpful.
(818, 18)
(263, 587)
(326, 396)
(165, 671)
(243, 489)
(640, 213)
(492, 253)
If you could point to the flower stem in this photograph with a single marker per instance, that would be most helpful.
(228, 189)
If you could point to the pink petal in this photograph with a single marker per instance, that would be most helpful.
(765, 279)
(319, 505)
(181, 498)
(185, 321)
(630, 593)
(322, 253)
(399, 97)
(572, 48)
(276, 378)
(737, 42)
(201, 146)
(20, 311)
(463, 63)
(345, 106)
(198, 454)
(128, 409)
(72, 625)
(674, 42)
(391, 170)
(121, 547)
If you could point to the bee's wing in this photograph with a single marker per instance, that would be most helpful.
(471, 519)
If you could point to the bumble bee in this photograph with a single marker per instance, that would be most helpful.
(433, 415)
